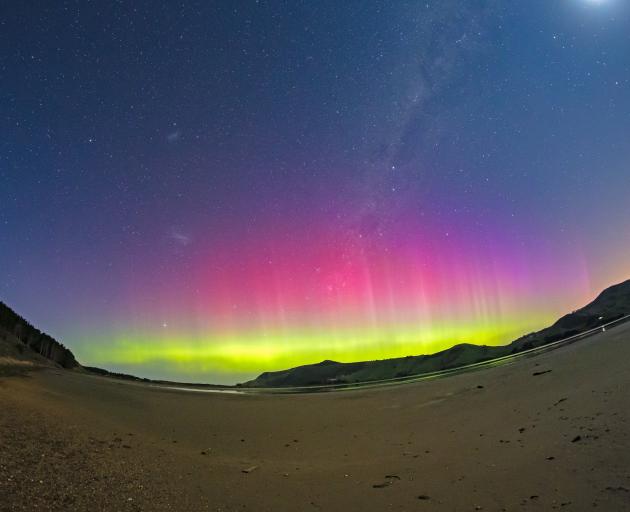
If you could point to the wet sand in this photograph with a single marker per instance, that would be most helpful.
(550, 432)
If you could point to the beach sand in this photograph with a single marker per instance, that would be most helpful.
(550, 432)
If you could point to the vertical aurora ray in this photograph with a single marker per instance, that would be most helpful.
(262, 306)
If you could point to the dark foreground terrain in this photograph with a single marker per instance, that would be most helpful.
(550, 432)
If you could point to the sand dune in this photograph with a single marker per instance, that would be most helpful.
(549, 432)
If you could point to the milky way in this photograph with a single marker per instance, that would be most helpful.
(209, 190)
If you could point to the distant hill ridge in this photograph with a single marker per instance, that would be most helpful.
(612, 304)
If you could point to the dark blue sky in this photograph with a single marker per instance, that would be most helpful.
(142, 137)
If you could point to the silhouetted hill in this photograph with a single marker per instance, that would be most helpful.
(611, 304)
(20, 340)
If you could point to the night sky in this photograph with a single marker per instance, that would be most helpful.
(205, 190)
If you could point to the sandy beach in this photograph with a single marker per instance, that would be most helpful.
(550, 432)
